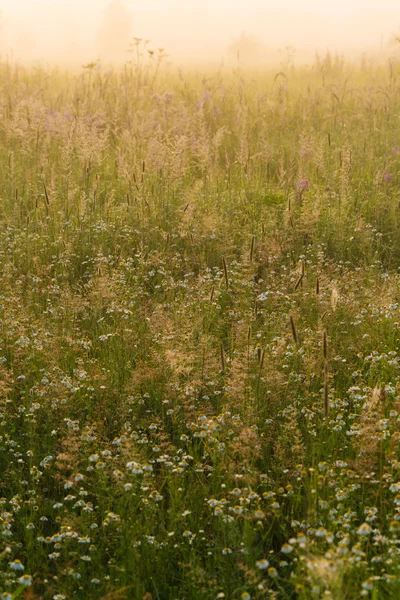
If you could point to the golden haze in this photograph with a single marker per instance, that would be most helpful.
(72, 31)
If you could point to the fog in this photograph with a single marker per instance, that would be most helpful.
(77, 31)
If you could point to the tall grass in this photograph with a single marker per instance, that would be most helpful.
(199, 332)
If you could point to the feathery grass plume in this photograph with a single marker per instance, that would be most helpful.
(326, 373)
(225, 272)
(261, 358)
(298, 282)
(289, 209)
(369, 439)
(326, 389)
(252, 248)
(325, 345)
(46, 196)
(222, 357)
(294, 331)
(258, 354)
(334, 298)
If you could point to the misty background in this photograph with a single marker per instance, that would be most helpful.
(76, 31)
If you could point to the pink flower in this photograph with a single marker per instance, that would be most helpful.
(303, 184)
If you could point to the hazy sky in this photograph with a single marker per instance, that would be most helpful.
(201, 28)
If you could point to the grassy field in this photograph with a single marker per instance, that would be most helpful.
(200, 333)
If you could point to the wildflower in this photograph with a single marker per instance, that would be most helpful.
(245, 596)
(253, 496)
(135, 468)
(287, 548)
(321, 532)
(46, 461)
(268, 495)
(262, 564)
(387, 177)
(226, 551)
(329, 536)
(17, 565)
(303, 184)
(368, 584)
(364, 529)
(272, 572)
(25, 580)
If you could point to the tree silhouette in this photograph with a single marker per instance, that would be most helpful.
(115, 32)
(246, 48)
(2, 31)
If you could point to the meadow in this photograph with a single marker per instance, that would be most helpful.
(199, 332)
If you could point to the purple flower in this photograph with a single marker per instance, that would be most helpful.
(387, 177)
(303, 184)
